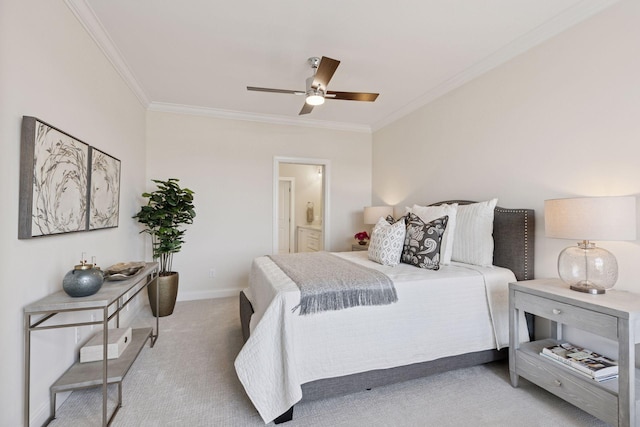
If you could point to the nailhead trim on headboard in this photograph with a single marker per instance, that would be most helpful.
(525, 230)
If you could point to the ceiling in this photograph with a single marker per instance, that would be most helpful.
(198, 56)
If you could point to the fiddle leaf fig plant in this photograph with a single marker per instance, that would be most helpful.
(167, 210)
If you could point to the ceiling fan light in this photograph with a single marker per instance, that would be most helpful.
(315, 99)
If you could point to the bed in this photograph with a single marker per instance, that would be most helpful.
(446, 319)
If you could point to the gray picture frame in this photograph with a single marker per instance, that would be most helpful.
(104, 190)
(54, 190)
(66, 185)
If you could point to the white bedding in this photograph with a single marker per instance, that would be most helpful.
(458, 309)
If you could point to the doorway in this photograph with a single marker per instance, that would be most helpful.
(307, 207)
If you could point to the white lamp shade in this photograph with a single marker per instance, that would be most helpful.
(373, 213)
(591, 218)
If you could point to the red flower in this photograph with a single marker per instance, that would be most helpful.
(363, 235)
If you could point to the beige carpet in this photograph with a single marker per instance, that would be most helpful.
(188, 379)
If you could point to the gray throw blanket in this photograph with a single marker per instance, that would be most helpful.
(328, 282)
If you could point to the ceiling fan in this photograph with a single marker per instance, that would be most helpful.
(316, 89)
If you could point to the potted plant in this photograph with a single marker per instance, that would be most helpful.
(168, 209)
(362, 237)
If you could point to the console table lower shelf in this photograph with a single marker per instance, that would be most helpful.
(89, 374)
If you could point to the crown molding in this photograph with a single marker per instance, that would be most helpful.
(87, 17)
(255, 117)
(549, 29)
(85, 14)
(585, 9)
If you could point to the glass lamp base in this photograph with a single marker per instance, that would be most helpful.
(587, 268)
(588, 288)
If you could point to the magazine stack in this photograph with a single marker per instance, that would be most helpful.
(583, 361)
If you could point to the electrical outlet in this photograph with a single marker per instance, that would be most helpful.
(78, 335)
(212, 272)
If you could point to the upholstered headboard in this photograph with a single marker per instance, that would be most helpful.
(513, 239)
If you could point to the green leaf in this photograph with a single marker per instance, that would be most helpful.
(167, 209)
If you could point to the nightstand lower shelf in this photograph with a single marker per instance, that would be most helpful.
(600, 399)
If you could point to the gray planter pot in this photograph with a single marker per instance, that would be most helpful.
(168, 289)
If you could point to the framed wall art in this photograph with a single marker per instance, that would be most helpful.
(65, 184)
(53, 181)
(104, 190)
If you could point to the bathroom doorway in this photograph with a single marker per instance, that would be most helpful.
(300, 205)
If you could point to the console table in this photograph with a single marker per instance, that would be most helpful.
(614, 315)
(108, 301)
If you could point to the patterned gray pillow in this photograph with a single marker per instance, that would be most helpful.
(422, 242)
(387, 242)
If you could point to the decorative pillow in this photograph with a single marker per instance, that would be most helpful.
(387, 241)
(473, 239)
(429, 213)
(422, 242)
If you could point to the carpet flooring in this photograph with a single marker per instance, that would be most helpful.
(188, 379)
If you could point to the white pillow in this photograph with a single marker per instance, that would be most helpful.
(387, 241)
(473, 238)
(429, 213)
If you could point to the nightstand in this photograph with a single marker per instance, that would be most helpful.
(613, 315)
(359, 247)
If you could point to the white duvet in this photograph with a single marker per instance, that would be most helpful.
(458, 309)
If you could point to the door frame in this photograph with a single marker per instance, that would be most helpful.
(326, 165)
(292, 211)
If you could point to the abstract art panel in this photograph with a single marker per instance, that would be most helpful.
(53, 181)
(104, 190)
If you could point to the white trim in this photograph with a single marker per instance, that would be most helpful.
(292, 211)
(255, 117)
(41, 414)
(325, 195)
(559, 23)
(198, 295)
(573, 15)
(87, 17)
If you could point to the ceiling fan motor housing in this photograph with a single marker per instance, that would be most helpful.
(314, 61)
(315, 95)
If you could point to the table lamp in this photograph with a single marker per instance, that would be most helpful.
(373, 213)
(585, 267)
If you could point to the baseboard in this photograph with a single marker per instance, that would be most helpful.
(41, 414)
(197, 295)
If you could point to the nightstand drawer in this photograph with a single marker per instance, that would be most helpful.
(570, 387)
(567, 314)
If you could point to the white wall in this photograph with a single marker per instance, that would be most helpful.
(229, 165)
(560, 120)
(51, 69)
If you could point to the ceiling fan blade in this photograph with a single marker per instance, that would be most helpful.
(352, 96)
(266, 89)
(306, 109)
(325, 71)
